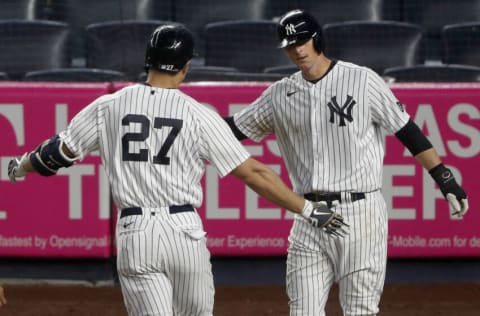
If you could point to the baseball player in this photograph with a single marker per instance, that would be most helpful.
(3, 300)
(327, 119)
(154, 141)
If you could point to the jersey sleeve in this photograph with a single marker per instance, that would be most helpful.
(387, 110)
(219, 145)
(81, 135)
(256, 120)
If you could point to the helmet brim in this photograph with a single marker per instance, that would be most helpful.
(299, 39)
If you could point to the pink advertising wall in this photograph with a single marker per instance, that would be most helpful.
(69, 215)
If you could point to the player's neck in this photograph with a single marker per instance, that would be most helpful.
(318, 69)
(165, 80)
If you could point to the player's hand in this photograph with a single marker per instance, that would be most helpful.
(454, 193)
(321, 216)
(15, 168)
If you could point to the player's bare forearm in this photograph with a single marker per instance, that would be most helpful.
(268, 184)
(428, 158)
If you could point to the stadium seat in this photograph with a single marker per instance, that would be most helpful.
(248, 46)
(32, 45)
(433, 15)
(283, 69)
(200, 73)
(197, 14)
(377, 45)
(434, 73)
(22, 9)
(231, 76)
(3, 76)
(119, 45)
(222, 74)
(81, 13)
(334, 11)
(75, 75)
(462, 43)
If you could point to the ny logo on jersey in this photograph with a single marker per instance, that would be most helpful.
(290, 29)
(340, 110)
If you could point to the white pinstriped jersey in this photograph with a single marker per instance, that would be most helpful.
(154, 143)
(324, 129)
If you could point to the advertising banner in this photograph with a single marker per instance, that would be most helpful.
(67, 215)
(238, 222)
(419, 219)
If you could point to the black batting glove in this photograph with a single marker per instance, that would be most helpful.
(318, 214)
(454, 193)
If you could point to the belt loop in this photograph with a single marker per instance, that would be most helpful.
(346, 197)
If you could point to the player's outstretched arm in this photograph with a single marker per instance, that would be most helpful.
(3, 300)
(418, 144)
(269, 185)
(46, 159)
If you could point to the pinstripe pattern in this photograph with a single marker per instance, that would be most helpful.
(164, 264)
(328, 157)
(204, 135)
(330, 137)
(154, 143)
(316, 260)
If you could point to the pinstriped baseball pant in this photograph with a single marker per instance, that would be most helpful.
(357, 262)
(164, 265)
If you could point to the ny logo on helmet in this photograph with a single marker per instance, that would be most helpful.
(290, 29)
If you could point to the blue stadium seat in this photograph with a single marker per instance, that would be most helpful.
(81, 13)
(32, 45)
(433, 15)
(283, 69)
(119, 45)
(248, 46)
(222, 74)
(197, 14)
(333, 11)
(434, 73)
(22, 9)
(462, 43)
(377, 45)
(75, 75)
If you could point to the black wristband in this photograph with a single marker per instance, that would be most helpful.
(446, 181)
(441, 174)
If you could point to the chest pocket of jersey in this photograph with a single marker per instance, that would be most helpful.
(188, 223)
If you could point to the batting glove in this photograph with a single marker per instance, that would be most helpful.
(15, 168)
(455, 195)
(321, 216)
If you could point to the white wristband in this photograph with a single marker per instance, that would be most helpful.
(20, 171)
(307, 209)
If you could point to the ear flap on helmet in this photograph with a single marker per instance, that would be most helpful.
(318, 42)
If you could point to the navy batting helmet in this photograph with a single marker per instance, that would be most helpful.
(170, 47)
(297, 27)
